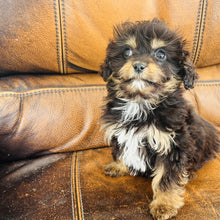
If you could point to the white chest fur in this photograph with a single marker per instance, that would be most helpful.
(131, 154)
(131, 141)
(133, 110)
(132, 145)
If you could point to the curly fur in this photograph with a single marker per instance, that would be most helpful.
(152, 129)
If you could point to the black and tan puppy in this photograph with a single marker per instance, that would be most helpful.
(152, 129)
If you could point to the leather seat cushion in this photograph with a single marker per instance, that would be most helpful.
(60, 186)
(47, 114)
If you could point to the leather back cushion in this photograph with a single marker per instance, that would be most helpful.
(65, 36)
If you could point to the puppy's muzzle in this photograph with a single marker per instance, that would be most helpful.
(139, 67)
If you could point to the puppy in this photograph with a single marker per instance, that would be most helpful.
(152, 129)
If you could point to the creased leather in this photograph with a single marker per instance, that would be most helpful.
(57, 115)
(50, 114)
(74, 186)
(28, 40)
(36, 189)
(44, 114)
(63, 36)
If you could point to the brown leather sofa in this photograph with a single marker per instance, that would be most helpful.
(52, 152)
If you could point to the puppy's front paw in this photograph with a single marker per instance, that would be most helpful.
(116, 169)
(162, 211)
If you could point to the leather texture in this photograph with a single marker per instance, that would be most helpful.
(28, 37)
(44, 114)
(49, 114)
(52, 152)
(36, 190)
(65, 36)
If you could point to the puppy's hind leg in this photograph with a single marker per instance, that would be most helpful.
(116, 169)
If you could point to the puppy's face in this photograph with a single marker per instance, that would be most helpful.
(146, 60)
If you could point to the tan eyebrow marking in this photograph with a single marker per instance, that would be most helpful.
(131, 41)
(157, 43)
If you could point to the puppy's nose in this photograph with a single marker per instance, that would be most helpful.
(139, 67)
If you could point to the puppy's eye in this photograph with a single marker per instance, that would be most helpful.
(160, 54)
(127, 53)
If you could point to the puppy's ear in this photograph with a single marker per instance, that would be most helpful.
(105, 69)
(189, 72)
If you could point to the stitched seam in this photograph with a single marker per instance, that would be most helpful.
(77, 209)
(71, 190)
(199, 31)
(65, 38)
(76, 188)
(209, 81)
(196, 31)
(202, 30)
(52, 90)
(208, 84)
(79, 187)
(62, 24)
(56, 14)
